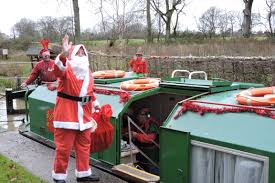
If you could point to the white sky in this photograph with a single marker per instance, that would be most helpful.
(13, 10)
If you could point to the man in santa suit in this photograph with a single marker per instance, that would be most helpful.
(73, 120)
(139, 65)
(44, 68)
(150, 126)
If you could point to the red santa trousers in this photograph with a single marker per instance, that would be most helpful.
(64, 140)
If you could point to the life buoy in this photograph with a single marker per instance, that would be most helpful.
(108, 74)
(140, 84)
(257, 97)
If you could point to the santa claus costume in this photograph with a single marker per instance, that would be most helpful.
(73, 120)
(139, 65)
(44, 68)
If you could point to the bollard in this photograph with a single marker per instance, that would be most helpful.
(9, 101)
(18, 82)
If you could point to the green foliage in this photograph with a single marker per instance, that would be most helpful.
(136, 41)
(12, 172)
(95, 43)
(7, 83)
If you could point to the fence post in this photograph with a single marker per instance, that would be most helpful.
(18, 82)
(9, 101)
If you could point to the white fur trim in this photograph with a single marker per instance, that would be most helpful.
(94, 127)
(83, 92)
(59, 176)
(75, 125)
(59, 63)
(75, 50)
(83, 173)
(96, 103)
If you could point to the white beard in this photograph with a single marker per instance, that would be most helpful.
(80, 66)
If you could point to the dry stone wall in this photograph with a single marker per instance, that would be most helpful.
(239, 69)
(242, 69)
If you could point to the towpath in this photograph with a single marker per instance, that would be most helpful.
(38, 159)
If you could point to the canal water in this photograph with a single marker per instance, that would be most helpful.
(10, 122)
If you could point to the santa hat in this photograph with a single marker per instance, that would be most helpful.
(44, 50)
(75, 49)
(145, 111)
(139, 52)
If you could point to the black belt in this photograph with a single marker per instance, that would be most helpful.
(84, 99)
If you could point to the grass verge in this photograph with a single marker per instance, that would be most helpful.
(12, 172)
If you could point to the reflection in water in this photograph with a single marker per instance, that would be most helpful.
(11, 122)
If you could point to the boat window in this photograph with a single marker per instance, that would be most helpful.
(221, 165)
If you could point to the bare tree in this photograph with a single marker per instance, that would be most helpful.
(178, 12)
(232, 19)
(26, 30)
(247, 21)
(256, 20)
(270, 16)
(209, 21)
(223, 23)
(239, 18)
(102, 16)
(166, 15)
(149, 23)
(13, 32)
(76, 21)
(47, 27)
(64, 26)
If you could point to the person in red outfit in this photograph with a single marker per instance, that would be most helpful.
(139, 65)
(73, 120)
(145, 141)
(44, 68)
(148, 124)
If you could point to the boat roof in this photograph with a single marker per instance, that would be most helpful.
(43, 94)
(244, 129)
(212, 86)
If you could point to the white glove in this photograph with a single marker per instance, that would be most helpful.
(65, 44)
(96, 106)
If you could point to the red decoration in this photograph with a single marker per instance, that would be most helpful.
(49, 120)
(51, 86)
(45, 45)
(124, 96)
(189, 105)
(103, 136)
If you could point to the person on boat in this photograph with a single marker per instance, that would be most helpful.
(148, 124)
(73, 120)
(44, 68)
(145, 141)
(139, 65)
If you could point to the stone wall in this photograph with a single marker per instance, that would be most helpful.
(241, 69)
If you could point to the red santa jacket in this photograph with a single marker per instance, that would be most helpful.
(139, 65)
(71, 114)
(44, 70)
(150, 127)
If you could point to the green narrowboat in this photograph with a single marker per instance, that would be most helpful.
(204, 136)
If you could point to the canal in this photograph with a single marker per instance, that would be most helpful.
(10, 122)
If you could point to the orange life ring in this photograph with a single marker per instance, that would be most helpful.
(139, 84)
(257, 97)
(108, 74)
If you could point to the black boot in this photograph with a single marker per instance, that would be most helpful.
(90, 178)
(59, 181)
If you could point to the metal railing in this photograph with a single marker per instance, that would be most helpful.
(131, 122)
